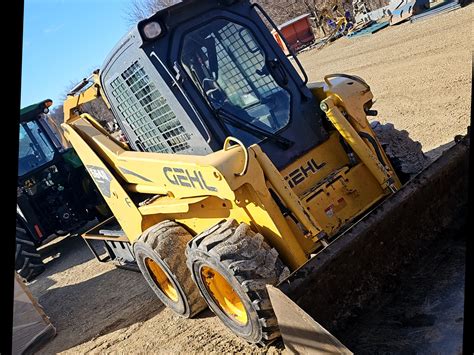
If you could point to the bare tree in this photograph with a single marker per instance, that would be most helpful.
(97, 109)
(141, 9)
(280, 11)
(320, 11)
(57, 114)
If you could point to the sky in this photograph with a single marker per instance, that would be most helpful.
(64, 41)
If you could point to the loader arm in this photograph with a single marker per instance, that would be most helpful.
(182, 181)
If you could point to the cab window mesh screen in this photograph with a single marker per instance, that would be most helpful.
(147, 112)
(247, 55)
(229, 68)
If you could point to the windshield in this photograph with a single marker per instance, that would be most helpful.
(229, 68)
(34, 148)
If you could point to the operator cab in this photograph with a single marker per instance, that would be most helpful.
(200, 71)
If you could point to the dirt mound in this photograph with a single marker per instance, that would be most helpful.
(405, 153)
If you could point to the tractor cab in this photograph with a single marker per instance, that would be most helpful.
(39, 145)
(190, 76)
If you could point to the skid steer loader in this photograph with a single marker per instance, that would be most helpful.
(242, 186)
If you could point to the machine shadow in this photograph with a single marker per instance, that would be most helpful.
(58, 256)
(64, 254)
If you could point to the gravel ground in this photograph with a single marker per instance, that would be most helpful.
(420, 75)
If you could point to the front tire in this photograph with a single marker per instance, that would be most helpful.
(231, 265)
(28, 262)
(160, 255)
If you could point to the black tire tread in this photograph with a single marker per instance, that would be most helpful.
(169, 239)
(28, 262)
(251, 261)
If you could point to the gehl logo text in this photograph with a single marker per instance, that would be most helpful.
(297, 176)
(187, 178)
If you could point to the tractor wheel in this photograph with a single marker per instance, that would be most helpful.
(231, 265)
(28, 262)
(160, 254)
(404, 153)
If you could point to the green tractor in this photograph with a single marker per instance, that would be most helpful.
(55, 195)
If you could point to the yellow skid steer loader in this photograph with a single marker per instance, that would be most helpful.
(239, 176)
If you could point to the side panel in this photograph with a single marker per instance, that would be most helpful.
(305, 172)
(331, 190)
(146, 109)
(348, 194)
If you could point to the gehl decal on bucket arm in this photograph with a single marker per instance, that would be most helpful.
(186, 178)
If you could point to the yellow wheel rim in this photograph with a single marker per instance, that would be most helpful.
(224, 295)
(161, 280)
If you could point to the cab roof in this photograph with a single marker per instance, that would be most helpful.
(30, 113)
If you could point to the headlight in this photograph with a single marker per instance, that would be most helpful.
(152, 30)
(47, 104)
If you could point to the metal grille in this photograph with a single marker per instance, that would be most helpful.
(248, 56)
(147, 112)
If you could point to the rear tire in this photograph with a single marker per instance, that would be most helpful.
(232, 265)
(28, 262)
(160, 255)
(404, 153)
